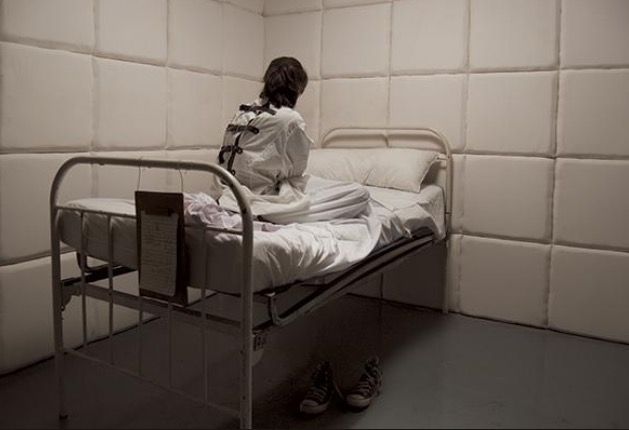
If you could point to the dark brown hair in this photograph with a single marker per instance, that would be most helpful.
(284, 81)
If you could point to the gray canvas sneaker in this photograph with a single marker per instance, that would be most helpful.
(367, 387)
(321, 392)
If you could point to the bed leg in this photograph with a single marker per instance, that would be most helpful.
(246, 363)
(59, 364)
(381, 294)
(381, 315)
(246, 387)
(445, 306)
(57, 308)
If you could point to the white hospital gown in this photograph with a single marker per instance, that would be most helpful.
(271, 169)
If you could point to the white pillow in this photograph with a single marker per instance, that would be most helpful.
(398, 168)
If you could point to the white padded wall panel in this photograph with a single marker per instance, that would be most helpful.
(592, 202)
(243, 52)
(308, 107)
(255, 6)
(428, 35)
(508, 196)
(295, 35)
(453, 272)
(511, 112)
(122, 181)
(274, 7)
(356, 41)
(237, 91)
(593, 113)
(132, 29)
(594, 32)
(353, 102)
(196, 34)
(46, 98)
(195, 109)
(195, 182)
(589, 292)
(25, 289)
(204, 155)
(514, 33)
(65, 22)
(429, 101)
(24, 195)
(505, 280)
(131, 111)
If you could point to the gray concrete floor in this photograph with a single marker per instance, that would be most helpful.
(439, 371)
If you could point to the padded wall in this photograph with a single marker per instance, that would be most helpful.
(534, 98)
(142, 78)
(532, 94)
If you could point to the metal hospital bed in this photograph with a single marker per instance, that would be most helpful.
(252, 336)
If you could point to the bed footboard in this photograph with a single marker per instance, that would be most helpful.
(59, 298)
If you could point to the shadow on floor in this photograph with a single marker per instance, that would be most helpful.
(439, 371)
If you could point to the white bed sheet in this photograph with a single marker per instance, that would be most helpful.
(279, 257)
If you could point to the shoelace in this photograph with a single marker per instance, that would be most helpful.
(368, 381)
(319, 389)
(317, 394)
(366, 386)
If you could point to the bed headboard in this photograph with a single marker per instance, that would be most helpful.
(414, 137)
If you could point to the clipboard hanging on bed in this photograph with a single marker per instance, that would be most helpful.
(161, 246)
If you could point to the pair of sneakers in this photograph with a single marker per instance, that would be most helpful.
(324, 388)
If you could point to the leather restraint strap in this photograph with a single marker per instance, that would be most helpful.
(257, 109)
(227, 149)
(240, 128)
(233, 128)
(235, 149)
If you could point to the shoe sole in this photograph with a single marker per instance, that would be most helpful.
(314, 410)
(319, 409)
(361, 404)
(358, 404)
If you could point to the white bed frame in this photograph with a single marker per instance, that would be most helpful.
(252, 336)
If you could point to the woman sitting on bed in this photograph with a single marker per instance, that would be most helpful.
(266, 148)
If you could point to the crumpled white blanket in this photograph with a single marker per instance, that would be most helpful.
(201, 209)
(320, 200)
(320, 242)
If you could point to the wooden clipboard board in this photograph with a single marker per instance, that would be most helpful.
(162, 268)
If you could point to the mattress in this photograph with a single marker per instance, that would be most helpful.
(290, 254)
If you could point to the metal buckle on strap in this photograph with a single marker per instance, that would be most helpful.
(228, 149)
(221, 154)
